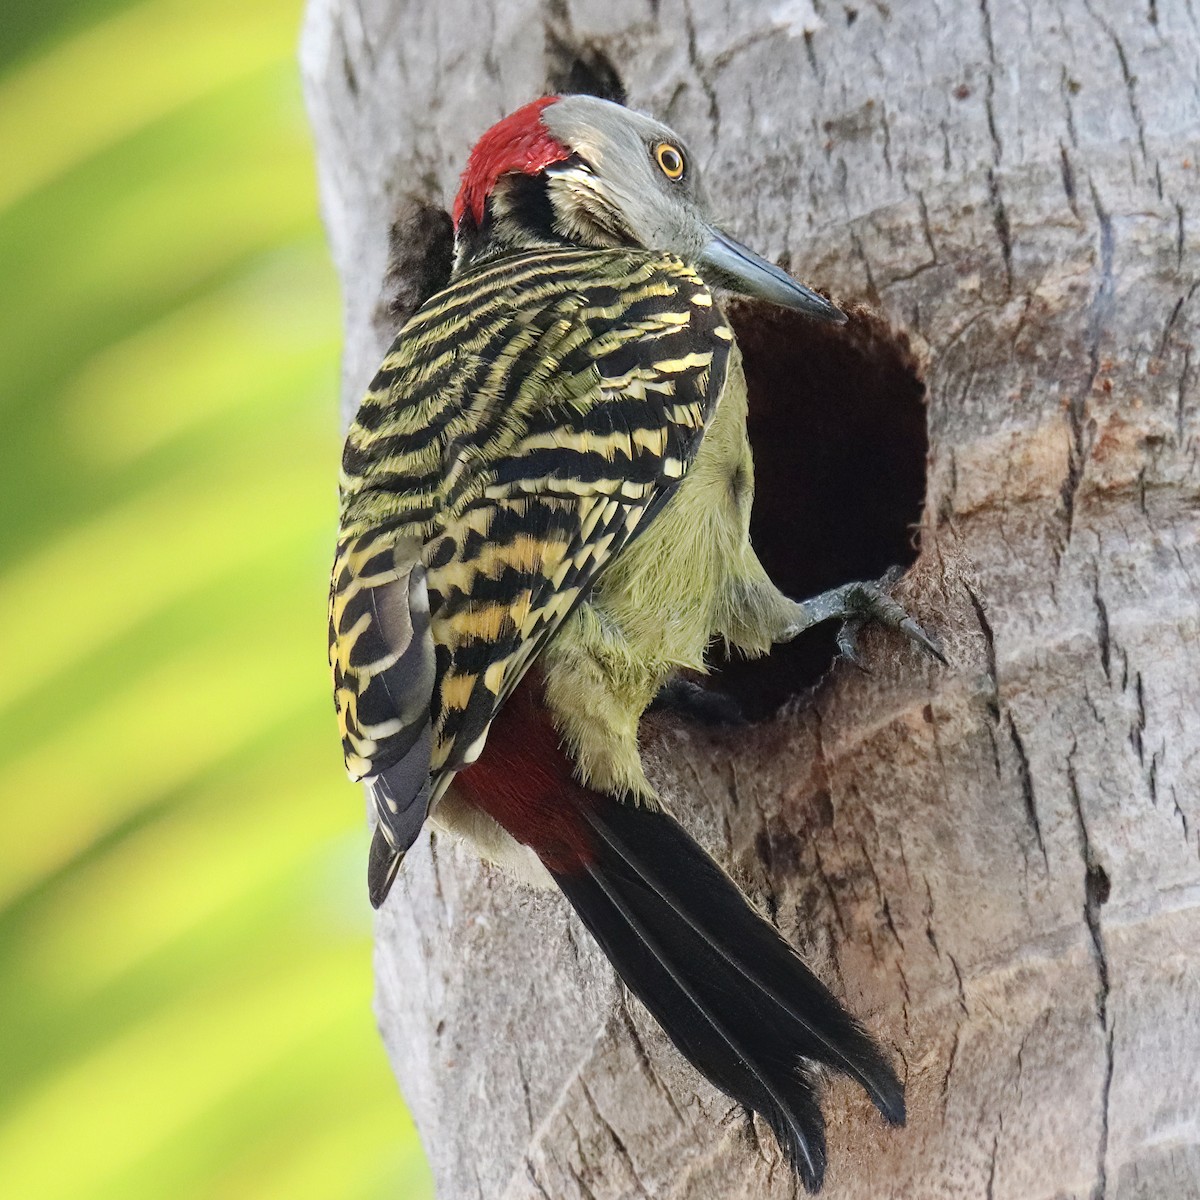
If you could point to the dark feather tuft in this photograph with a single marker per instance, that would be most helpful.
(729, 991)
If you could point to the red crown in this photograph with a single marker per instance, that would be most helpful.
(518, 143)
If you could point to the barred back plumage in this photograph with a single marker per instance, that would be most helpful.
(526, 424)
(546, 501)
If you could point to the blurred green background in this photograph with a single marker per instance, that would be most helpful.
(184, 934)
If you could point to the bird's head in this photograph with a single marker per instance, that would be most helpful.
(579, 171)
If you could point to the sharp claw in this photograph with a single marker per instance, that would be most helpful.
(912, 630)
(847, 644)
(891, 612)
(861, 603)
(853, 658)
(937, 652)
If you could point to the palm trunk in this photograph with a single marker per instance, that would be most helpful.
(997, 865)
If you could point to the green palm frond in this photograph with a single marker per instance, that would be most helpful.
(183, 927)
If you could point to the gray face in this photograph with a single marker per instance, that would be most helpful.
(623, 174)
(630, 188)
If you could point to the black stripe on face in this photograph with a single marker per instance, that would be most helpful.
(526, 202)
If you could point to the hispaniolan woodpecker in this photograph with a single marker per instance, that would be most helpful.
(545, 505)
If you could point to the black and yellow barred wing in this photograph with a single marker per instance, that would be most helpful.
(527, 423)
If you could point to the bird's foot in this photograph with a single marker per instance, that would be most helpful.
(858, 604)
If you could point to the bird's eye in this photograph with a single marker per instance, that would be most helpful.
(669, 159)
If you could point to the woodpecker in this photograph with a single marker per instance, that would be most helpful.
(545, 505)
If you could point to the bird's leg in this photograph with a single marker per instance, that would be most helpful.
(856, 604)
(596, 692)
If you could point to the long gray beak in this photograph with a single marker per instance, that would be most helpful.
(730, 265)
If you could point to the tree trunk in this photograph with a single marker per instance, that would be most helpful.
(997, 865)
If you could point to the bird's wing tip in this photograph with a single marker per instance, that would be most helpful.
(382, 867)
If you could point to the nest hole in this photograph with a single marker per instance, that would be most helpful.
(574, 69)
(837, 423)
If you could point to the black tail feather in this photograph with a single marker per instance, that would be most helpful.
(660, 851)
(754, 1069)
(728, 990)
(382, 865)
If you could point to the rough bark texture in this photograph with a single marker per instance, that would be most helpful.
(997, 865)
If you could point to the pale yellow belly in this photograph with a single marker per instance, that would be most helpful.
(665, 593)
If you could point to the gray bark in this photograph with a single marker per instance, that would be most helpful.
(997, 865)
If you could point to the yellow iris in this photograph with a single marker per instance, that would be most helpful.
(670, 160)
